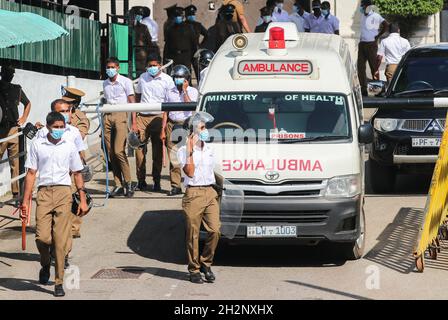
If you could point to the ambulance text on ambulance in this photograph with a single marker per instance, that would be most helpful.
(272, 165)
(275, 67)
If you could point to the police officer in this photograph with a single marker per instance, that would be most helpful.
(205, 57)
(183, 92)
(170, 14)
(153, 29)
(47, 156)
(225, 27)
(200, 202)
(266, 16)
(199, 29)
(118, 90)
(143, 44)
(10, 97)
(152, 87)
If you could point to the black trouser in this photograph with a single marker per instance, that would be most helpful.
(367, 52)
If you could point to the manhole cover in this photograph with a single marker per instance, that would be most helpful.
(118, 274)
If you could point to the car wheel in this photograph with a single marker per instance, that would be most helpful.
(382, 178)
(355, 250)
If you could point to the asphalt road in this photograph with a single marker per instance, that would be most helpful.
(143, 239)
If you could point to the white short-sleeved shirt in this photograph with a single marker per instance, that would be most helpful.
(313, 23)
(282, 16)
(370, 26)
(329, 24)
(53, 162)
(117, 92)
(204, 162)
(299, 20)
(174, 95)
(71, 134)
(393, 48)
(153, 28)
(154, 90)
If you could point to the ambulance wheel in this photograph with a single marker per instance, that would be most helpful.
(355, 250)
(382, 178)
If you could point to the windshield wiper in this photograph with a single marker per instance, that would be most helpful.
(441, 91)
(409, 92)
(319, 138)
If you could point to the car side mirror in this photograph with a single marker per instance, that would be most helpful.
(365, 133)
(377, 87)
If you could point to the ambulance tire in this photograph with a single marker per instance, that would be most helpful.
(382, 178)
(355, 250)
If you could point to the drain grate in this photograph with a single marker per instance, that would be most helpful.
(118, 274)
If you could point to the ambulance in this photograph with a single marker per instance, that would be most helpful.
(288, 130)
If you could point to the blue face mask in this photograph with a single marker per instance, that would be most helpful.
(178, 20)
(204, 135)
(295, 8)
(57, 134)
(191, 18)
(66, 117)
(111, 72)
(179, 81)
(279, 6)
(138, 18)
(362, 10)
(153, 71)
(325, 12)
(267, 19)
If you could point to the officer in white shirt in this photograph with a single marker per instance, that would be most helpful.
(183, 92)
(313, 21)
(153, 27)
(200, 202)
(152, 87)
(118, 90)
(53, 158)
(373, 27)
(393, 48)
(330, 23)
(280, 15)
(298, 16)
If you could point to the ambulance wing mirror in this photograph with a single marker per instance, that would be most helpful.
(365, 134)
(376, 87)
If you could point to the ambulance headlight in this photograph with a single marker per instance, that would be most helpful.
(344, 186)
(385, 125)
(239, 42)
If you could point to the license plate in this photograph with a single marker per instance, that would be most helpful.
(271, 231)
(426, 142)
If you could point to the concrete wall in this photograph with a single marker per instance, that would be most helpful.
(41, 89)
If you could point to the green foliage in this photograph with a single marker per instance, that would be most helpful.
(409, 8)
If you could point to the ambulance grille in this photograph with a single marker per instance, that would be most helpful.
(304, 193)
(304, 217)
(283, 183)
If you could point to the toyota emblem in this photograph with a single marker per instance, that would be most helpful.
(272, 175)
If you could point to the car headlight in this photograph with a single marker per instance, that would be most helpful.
(385, 125)
(344, 186)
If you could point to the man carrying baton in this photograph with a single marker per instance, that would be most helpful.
(53, 158)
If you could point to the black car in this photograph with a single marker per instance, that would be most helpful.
(408, 140)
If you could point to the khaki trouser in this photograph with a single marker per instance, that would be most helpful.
(175, 170)
(53, 226)
(150, 127)
(390, 70)
(367, 52)
(200, 204)
(13, 150)
(115, 135)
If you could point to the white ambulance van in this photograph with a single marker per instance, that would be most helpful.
(288, 130)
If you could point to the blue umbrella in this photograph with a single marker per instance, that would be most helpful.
(25, 27)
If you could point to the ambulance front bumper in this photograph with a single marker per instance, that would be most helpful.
(315, 219)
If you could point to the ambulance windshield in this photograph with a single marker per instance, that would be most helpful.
(284, 117)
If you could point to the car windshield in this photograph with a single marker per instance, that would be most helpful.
(279, 116)
(426, 72)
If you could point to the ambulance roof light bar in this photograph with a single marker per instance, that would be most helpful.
(277, 43)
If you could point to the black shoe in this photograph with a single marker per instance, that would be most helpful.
(209, 276)
(196, 278)
(175, 191)
(156, 187)
(142, 186)
(116, 191)
(66, 263)
(59, 290)
(44, 274)
(128, 190)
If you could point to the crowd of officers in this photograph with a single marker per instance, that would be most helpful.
(57, 153)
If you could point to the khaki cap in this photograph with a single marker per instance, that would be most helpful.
(73, 94)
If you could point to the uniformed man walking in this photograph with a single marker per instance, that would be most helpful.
(183, 92)
(180, 41)
(152, 87)
(266, 16)
(10, 97)
(200, 202)
(53, 158)
(298, 16)
(225, 27)
(199, 29)
(118, 90)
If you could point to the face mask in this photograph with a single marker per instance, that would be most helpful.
(178, 20)
(267, 19)
(362, 10)
(325, 12)
(191, 18)
(111, 72)
(295, 8)
(138, 18)
(153, 71)
(203, 135)
(280, 6)
(56, 134)
(179, 81)
(66, 117)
